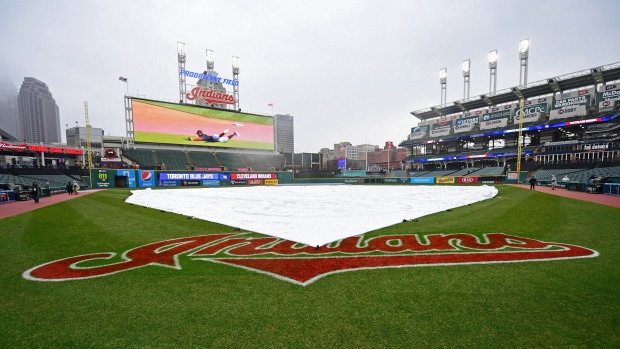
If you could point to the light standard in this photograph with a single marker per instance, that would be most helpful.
(524, 52)
(465, 66)
(443, 81)
(493, 70)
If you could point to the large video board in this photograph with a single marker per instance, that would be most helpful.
(170, 123)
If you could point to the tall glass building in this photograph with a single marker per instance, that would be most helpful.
(8, 108)
(285, 133)
(39, 120)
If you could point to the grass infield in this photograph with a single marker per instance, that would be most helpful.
(561, 303)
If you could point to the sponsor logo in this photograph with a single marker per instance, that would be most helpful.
(302, 264)
(168, 183)
(13, 147)
(254, 176)
(146, 176)
(468, 180)
(102, 176)
(109, 153)
(440, 180)
(271, 182)
(190, 183)
(606, 103)
(211, 96)
(610, 87)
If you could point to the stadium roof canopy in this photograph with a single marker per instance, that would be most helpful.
(548, 86)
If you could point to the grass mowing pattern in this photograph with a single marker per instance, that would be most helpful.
(533, 304)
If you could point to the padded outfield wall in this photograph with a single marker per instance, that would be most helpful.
(130, 178)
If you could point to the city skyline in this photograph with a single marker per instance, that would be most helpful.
(348, 71)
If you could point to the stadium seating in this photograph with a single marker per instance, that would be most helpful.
(144, 157)
(204, 159)
(231, 161)
(172, 159)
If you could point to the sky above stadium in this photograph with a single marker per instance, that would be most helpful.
(346, 70)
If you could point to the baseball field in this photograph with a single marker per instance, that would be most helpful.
(96, 272)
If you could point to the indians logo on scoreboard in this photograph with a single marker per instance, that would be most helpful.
(302, 264)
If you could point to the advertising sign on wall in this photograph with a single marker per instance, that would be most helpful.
(467, 180)
(607, 98)
(170, 123)
(569, 107)
(445, 180)
(531, 112)
(419, 132)
(131, 177)
(493, 123)
(146, 179)
(466, 124)
(441, 128)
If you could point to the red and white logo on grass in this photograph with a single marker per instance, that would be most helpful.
(302, 264)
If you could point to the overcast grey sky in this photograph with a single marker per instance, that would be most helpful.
(347, 70)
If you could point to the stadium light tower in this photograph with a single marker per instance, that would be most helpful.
(443, 80)
(181, 57)
(210, 61)
(466, 65)
(493, 70)
(524, 52)
(235, 71)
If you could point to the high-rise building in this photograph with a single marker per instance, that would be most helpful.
(285, 133)
(212, 85)
(8, 108)
(39, 120)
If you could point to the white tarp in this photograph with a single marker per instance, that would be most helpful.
(313, 214)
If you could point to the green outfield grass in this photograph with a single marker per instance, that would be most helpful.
(166, 138)
(561, 303)
(212, 113)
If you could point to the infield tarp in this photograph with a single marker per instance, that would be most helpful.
(313, 215)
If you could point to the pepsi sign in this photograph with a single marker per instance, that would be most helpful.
(146, 179)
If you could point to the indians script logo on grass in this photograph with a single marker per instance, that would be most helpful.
(302, 264)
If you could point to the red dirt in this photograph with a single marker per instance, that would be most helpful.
(9, 209)
(603, 199)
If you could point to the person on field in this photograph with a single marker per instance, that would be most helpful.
(35, 192)
(47, 186)
(76, 187)
(533, 183)
(213, 138)
(554, 181)
(69, 188)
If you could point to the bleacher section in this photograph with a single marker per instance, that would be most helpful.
(232, 161)
(489, 171)
(255, 162)
(144, 157)
(173, 160)
(204, 159)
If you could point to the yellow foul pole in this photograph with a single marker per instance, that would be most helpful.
(520, 139)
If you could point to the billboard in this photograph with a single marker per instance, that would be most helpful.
(570, 104)
(441, 128)
(170, 123)
(466, 124)
(419, 132)
(607, 98)
(532, 112)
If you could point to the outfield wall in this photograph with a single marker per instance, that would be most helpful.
(130, 178)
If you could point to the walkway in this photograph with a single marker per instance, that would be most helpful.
(603, 199)
(9, 209)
